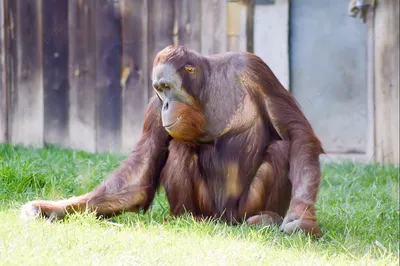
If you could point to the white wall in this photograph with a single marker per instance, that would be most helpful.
(271, 33)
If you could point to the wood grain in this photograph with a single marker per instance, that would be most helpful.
(108, 73)
(213, 27)
(387, 81)
(82, 75)
(188, 23)
(55, 72)
(134, 76)
(3, 84)
(26, 90)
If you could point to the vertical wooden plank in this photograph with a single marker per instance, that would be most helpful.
(213, 27)
(10, 59)
(188, 22)
(160, 30)
(387, 81)
(243, 28)
(250, 25)
(3, 85)
(370, 149)
(233, 25)
(55, 71)
(82, 75)
(134, 76)
(26, 104)
(108, 73)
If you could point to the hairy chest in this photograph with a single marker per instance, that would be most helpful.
(228, 167)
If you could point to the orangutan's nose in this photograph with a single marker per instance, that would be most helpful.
(161, 84)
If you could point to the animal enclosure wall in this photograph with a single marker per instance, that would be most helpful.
(343, 72)
(76, 73)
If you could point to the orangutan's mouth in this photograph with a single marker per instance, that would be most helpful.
(170, 126)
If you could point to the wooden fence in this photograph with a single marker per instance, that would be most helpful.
(76, 73)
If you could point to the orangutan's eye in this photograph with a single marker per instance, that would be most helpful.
(190, 69)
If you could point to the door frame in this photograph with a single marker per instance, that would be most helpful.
(280, 24)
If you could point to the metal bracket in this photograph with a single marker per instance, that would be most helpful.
(264, 2)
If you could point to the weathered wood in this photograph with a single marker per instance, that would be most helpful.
(237, 26)
(213, 27)
(134, 76)
(55, 72)
(26, 99)
(387, 81)
(160, 31)
(370, 148)
(188, 21)
(3, 85)
(233, 25)
(250, 25)
(67, 80)
(243, 28)
(108, 73)
(10, 59)
(82, 75)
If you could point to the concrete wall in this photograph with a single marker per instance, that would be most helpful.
(271, 33)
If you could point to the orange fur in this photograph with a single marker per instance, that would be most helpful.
(191, 123)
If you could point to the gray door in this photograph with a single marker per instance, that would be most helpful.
(328, 68)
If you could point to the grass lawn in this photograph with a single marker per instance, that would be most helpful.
(358, 211)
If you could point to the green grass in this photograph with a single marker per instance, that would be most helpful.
(357, 209)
